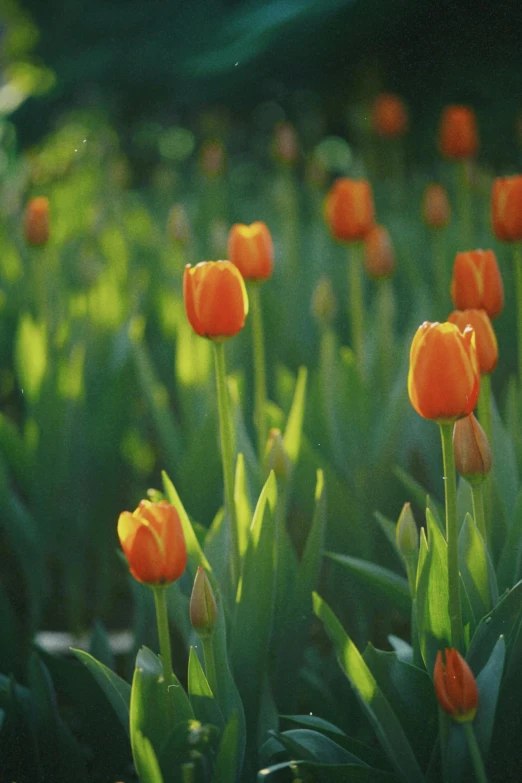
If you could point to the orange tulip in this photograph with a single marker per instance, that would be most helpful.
(458, 135)
(444, 379)
(285, 145)
(436, 209)
(379, 256)
(476, 282)
(216, 300)
(349, 209)
(153, 542)
(455, 686)
(486, 340)
(36, 221)
(390, 117)
(250, 249)
(506, 208)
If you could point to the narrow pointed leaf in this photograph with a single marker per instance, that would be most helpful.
(387, 584)
(116, 690)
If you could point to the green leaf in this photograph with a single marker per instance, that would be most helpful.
(294, 425)
(432, 598)
(387, 727)
(225, 767)
(389, 529)
(116, 690)
(145, 760)
(504, 473)
(202, 699)
(488, 683)
(148, 704)
(501, 621)
(415, 490)
(403, 649)
(476, 569)
(30, 356)
(509, 569)
(100, 647)
(243, 505)
(313, 746)
(311, 772)
(464, 501)
(387, 584)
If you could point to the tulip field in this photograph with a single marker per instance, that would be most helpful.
(260, 453)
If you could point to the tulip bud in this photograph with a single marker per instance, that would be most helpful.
(379, 257)
(276, 458)
(178, 227)
(436, 209)
(472, 451)
(203, 607)
(455, 686)
(406, 534)
(36, 221)
(212, 159)
(458, 135)
(485, 337)
(216, 300)
(286, 145)
(389, 117)
(324, 304)
(506, 208)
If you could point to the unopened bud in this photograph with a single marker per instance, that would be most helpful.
(286, 145)
(324, 304)
(36, 221)
(436, 210)
(212, 158)
(203, 607)
(178, 227)
(379, 256)
(406, 534)
(472, 451)
(276, 458)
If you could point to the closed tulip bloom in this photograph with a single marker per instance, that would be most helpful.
(349, 209)
(389, 117)
(444, 379)
(250, 249)
(379, 256)
(203, 607)
(485, 337)
(506, 208)
(436, 209)
(455, 686)
(153, 542)
(476, 282)
(472, 451)
(36, 221)
(216, 300)
(458, 135)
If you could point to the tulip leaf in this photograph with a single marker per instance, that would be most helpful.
(488, 683)
(501, 621)
(509, 567)
(115, 689)
(476, 569)
(504, 473)
(313, 772)
(310, 745)
(507, 728)
(432, 597)
(243, 504)
(389, 529)
(403, 649)
(205, 707)
(31, 356)
(294, 424)
(415, 490)
(145, 760)
(386, 724)
(382, 581)
(225, 766)
(100, 647)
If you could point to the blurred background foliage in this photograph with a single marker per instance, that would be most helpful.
(163, 60)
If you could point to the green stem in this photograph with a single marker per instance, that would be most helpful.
(259, 370)
(452, 534)
(478, 509)
(465, 211)
(474, 752)
(210, 666)
(484, 415)
(227, 453)
(356, 302)
(385, 314)
(518, 278)
(162, 619)
(442, 282)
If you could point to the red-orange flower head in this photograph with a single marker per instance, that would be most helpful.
(458, 135)
(389, 116)
(485, 337)
(153, 542)
(436, 209)
(506, 208)
(36, 221)
(250, 248)
(379, 256)
(476, 283)
(216, 301)
(349, 211)
(455, 686)
(444, 378)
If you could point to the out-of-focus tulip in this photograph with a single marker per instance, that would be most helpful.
(36, 221)
(203, 607)
(379, 256)
(285, 145)
(389, 116)
(212, 158)
(178, 226)
(473, 459)
(436, 209)
(153, 542)
(324, 304)
(458, 135)
(250, 248)
(506, 208)
(455, 686)
(485, 337)
(349, 211)
(444, 379)
(476, 282)
(216, 301)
